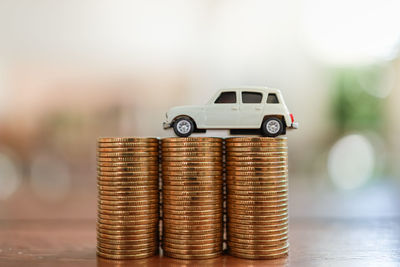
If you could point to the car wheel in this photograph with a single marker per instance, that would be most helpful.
(272, 127)
(183, 127)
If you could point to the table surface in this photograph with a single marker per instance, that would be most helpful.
(313, 242)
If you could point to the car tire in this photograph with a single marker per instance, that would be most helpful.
(183, 127)
(272, 127)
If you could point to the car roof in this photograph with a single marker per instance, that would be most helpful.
(253, 88)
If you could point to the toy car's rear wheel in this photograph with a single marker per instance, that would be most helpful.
(183, 127)
(272, 127)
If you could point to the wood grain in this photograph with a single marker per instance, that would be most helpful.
(313, 242)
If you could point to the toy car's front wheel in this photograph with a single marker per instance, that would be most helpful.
(183, 127)
(272, 127)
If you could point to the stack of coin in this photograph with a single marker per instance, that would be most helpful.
(128, 204)
(257, 195)
(192, 197)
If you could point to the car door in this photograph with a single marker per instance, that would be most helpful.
(223, 111)
(251, 108)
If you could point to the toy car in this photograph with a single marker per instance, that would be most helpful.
(261, 109)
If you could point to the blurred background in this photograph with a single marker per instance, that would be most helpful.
(71, 71)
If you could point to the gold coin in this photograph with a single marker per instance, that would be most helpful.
(146, 192)
(189, 164)
(192, 251)
(152, 244)
(243, 191)
(253, 188)
(259, 231)
(257, 205)
(269, 221)
(127, 227)
(127, 140)
(194, 213)
(127, 251)
(261, 248)
(270, 256)
(147, 196)
(273, 199)
(192, 227)
(127, 144)
(137, 206)
(191, 220)
(256, 164)
(194, 247)
(261, 237)
(209, 230)
(256, 168)
(192, 217)
(192, 173)
(126, 232)
(127, 188)
(127, 154)
(188, 242)
(266, 156)
(255, 227)
(192, 149)
(192, 193)
(123, 221)
(258, 178)
(129, 202)
(193, 203)
(254, 144)
(191, 144)
(256, 139)
(258, 149)
(135, 256)
(128, 178)
(191, 154)
(192, 198)
(191, 139)
(256, 240)
(127, 164)
(262, 184)
(130, 183)
(128, 159)
(211, 159)
(199, 236)
(128, 149)
(126, 242)
(133, 211)
(257, 246)
(128, 237)
(217, 168)
(217, 177)
(168, 188)
(193, 183)
(132, 174)
(128, 169)
(192, 257)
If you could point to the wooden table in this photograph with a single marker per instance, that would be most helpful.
(313, 242)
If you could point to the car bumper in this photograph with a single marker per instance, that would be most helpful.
(166, 125)
(294, 125)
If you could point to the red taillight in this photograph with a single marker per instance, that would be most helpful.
(291, 117)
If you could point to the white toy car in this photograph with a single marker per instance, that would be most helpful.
(258, 109)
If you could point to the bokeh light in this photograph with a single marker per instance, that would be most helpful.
(9, 177)
(351, 32)
(50, 177)
(351, 161)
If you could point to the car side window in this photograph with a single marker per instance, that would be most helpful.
(272, 99)
(226, 98)
(251, 97)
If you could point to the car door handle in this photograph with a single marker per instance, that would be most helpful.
(235, 108)
(258, 108)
